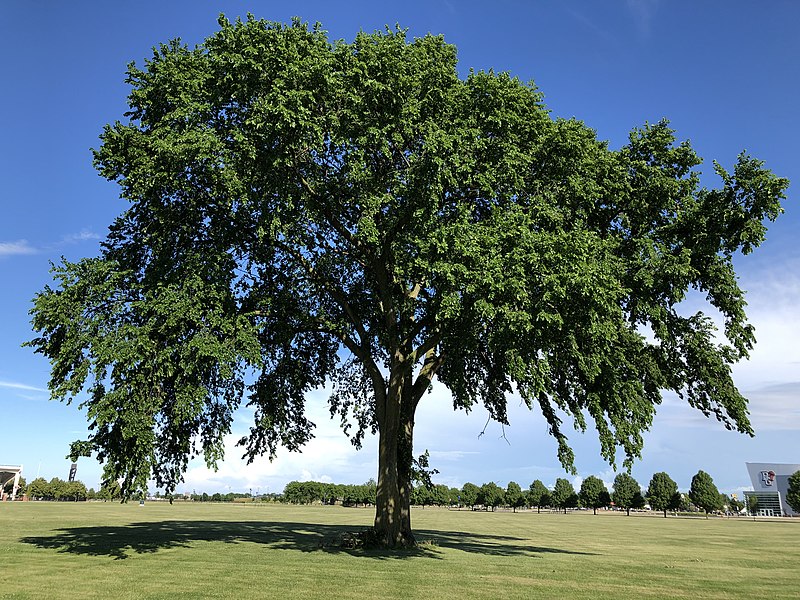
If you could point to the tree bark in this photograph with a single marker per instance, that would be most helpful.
(395, 451)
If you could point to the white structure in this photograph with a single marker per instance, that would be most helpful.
(770, 485)
(7, 473)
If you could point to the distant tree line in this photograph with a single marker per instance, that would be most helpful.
(308, 492)
(626, 494)
(215, 497)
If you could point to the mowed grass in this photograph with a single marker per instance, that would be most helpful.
(108, 550)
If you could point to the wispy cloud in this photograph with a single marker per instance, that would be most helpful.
(591, 25)
(19, 247)
(24, 247)
(775, 407)
(13, 385)
(84, 236)
(451, 454)
(643, 12)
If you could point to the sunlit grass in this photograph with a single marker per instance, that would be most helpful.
(99, 550)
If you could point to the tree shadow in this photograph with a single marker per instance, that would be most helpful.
(121, 542)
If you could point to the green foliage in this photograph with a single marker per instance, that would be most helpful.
(302, 492)
(563, 495)
(421, 471)
(627, 493)
(538, 495)
(752, 505)
(734, 504)
(593, 493)
(662, 493)
(704, 494)
(56, 489)
(491, 495)
(293, 201)
(38, 489)
(436, 495)
(793, 493)
(469, 494)
(514, 496)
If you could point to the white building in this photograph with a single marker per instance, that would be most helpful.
(770, 485)
(9, 473)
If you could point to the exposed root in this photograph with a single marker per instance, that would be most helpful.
(368, 539)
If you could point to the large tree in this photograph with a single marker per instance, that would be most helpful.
(305, 213)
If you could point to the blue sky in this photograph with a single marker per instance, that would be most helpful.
(725, 73)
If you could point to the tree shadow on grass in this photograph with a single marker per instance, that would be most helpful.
(123, 541)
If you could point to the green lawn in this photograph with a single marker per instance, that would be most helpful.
(99, 550)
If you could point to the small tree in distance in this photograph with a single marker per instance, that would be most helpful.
(514, 496)
(752, 505)
(469, 495)
(491, 495)
(563, 495)
(662, 493)
(538, 495)
(704, 494)
(627, 493)
(793, 493)
(734, 504)
(594, 494)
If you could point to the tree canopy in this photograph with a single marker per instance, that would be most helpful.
(305, 212)
(704, 494)
(469, 494)
(491, 495)
(538, 495)
(662, 493)
(563, 495)
(593, 493)
(514, 496)
(627, 494)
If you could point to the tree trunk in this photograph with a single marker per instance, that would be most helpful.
(395, 451)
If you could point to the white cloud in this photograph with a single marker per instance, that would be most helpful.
(20, 247)
(449, 455)
(20, 386)
(83, 236)
(329, 456)
(775, 407)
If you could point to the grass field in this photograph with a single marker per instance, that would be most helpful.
(99, 550)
